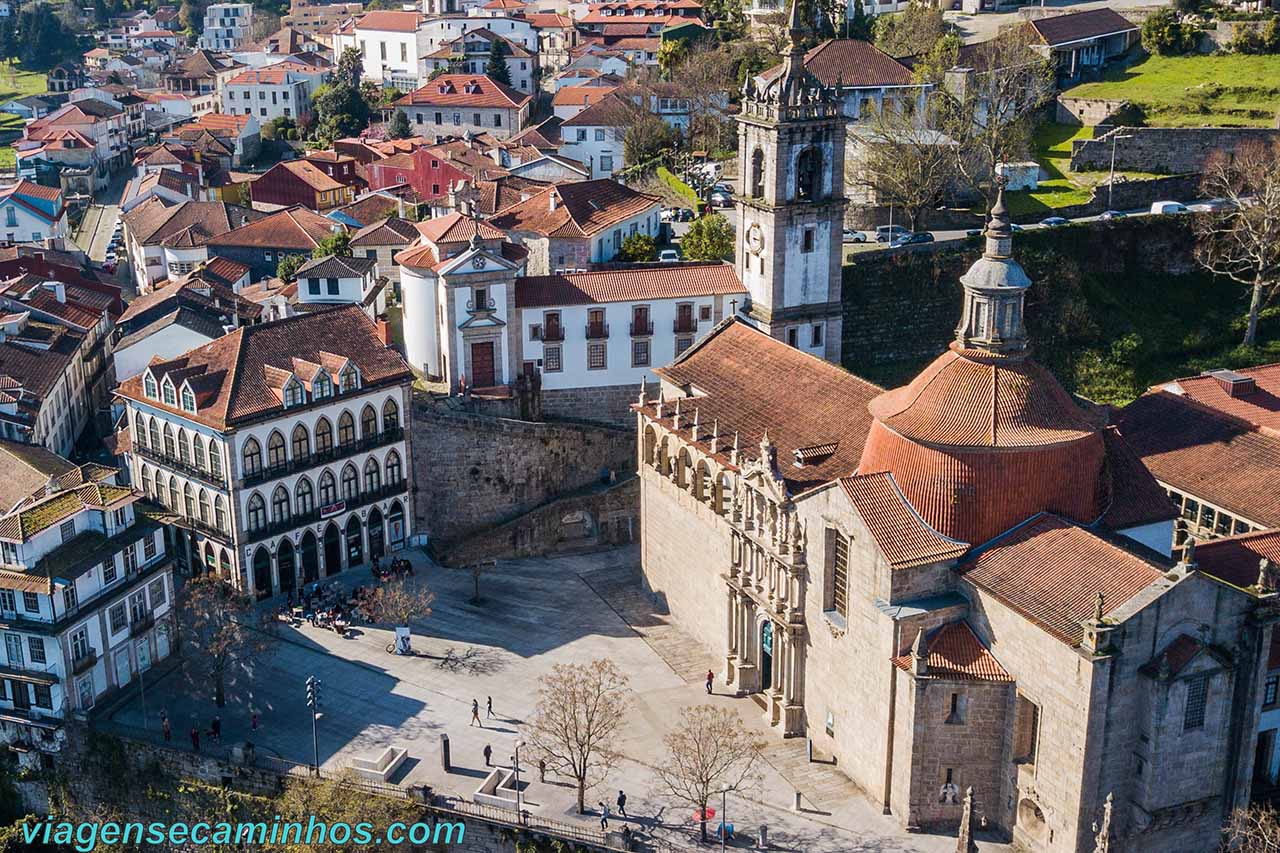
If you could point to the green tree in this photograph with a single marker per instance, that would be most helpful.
(287, 268)
(400, 128)
(710, 238)
(100, 13)
(859, 23)
(496, 67)
(647, 138)
(1165, 34)
(727, 17)
(341, 108)
(637, 248)
(911, 32)
(670, 54)
(338, 243)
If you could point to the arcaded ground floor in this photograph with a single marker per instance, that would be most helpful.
(536, 613)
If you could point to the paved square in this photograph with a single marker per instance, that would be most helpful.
(535, 613)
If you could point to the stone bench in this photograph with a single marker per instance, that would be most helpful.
(498, 789)
(381, 768)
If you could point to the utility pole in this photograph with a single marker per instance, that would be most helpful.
(313, 702)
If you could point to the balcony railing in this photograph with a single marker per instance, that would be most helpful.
(684, 324)
(84, 662)
(552, 334)
(641, 328)
(142, 624)
(597, 331)
(172, 462)
(487, 305)
(324, 457)
(294, 521)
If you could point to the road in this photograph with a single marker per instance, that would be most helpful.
(96, 228)
(975, 28)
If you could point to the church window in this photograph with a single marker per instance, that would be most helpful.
(1269, 691)
(838, 575)
(301, 442)
(757, 174)
(1210, 518)
(980, 319)
(809, 175)
(809, 239)
(596, 356)
(1197, 696)
(955, 710)
(1026, 730)
(551, 359)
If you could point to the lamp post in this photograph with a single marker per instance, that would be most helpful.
(724, 818)
(1111, 181)
(519, 809)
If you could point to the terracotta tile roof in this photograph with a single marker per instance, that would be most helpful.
(214, 276)
(464, 90)
(269, 75)
(1215, 457)
(627, 29)
(651, 281)
(581, 209)
(225, 269)
(390, 21)
(195, 321)
(581, 96)
(508, 47)
(37, 371)
(1050, 571)
(293, 228)
(1252, 394)
(901, 534)
(219, 124)
(77, 308)
(953, 651)
(612, 111)
(369, 210)
(1235, 559)
(544, 135)
(649, 45)
(154, 219)
(392, 231)
(725, 370)
(503, 192)
(238, 373)
(27, 469)
(334, 266)
(1134, 495)
(309, 174)
(455, 227)
(1062, 29)
(549, 20)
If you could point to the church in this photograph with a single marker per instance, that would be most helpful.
(963, 583)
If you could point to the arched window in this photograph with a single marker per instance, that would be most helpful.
(175, 502)
(210, 559)
(346, 429)
(279, 504)
(368, 422)
(252, 455)
(204, 506)
(809, 175)
(154, 434)
(301, 442)
(276, 457)
(184, 448)
(390, 415)
(757, 174)
(394, 473)
(220, 513)
(324, 436)
(256, 516)
(188, 501)
(372, 476)
(224, 564)
(197, 450)
(215, 459)
(350, 483)
(170, 449)
(304, 499)
(148, 485)
(139, 430)
(162, 494)
(149, 387)
(328, 489)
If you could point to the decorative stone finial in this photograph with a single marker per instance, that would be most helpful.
(1097, 607)
(919, 654)
(675, 418)
(766, 450)
(1264, 575)
(734, 457)
(475, 238)
(715, 437)
(968, 821)
(694, 430)
(662, 402)
(1188, 561)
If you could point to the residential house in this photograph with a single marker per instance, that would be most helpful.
(65, 77)
(165, 240)
(227, 26)
(432, 172)
(263, 243)
(299, 182)
(391, 43)
(334, 280)
(42, 399)
(557, 37)
(282, 90)
(867, 78)
(158, 39)
(439, 30)
(1081, 43)
(170, 185)
(317, 18)
(571, 226)
(594, 136)
(239, 132)
(470, 53)
(380, 241)
(31, 212)
(294, 471)
(568, 101)
(201, 72)
(100, 125)
(461, 103)
(29, 106)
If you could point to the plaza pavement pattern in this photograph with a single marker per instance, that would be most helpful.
(534, 613)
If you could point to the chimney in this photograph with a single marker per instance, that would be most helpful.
(58, 289)
(400, 206)
(553, 199)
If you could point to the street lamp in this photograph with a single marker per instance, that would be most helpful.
(724, 818)
(519, 744)
(1111, 181)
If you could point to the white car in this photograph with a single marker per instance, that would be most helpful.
(1161, 207)
(851, 236)
(668, 256)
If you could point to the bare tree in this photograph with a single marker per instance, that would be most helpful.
(772, 29)
(398, 601)
(1243, 242)
(222, 631)
(709, 752)
(580, 710)
(1255, 829)
(901, 162)
(705, 76)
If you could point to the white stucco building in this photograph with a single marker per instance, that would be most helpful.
(227, 26)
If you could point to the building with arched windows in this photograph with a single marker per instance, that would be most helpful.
(279, 449)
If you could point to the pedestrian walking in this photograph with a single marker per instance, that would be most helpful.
(604, 817)
(488, 707)
(542, 769)
(164, 727)
(622, 803)
(195, 738)
(253, 721)
(711, 677)
(488, 754)
(215, 728)
(475, 713)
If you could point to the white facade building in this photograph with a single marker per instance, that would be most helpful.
(282, 90)
(391, 42)
(227, 26)
(333, 280)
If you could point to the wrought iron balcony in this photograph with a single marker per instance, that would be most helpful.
(294, 521)
(684, 325)
(159, 457)
(142, 624)
(597, 331)
(552, 334)
(84, 662)
(324, 457)
(641, 329)
(487, 305)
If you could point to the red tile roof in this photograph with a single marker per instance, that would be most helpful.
(1063, 29)
(1050, 571)
(581, 96)
(293, 228)
(1235, 559)
(851, 63)
(901, 534)
(611, 111)
(1251, 394)
(390, 21)
(953, 651)
(309, 174)
(270, 75)
(1133, 494)
(580, 209)
(725, 368)
(1180, 652)
(655, 281)
(457, 228)
(465, 90)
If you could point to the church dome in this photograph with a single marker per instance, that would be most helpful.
(984, 437)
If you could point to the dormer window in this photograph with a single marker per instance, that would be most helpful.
(149, 387)
(349, 379)
(168, 394)
(321, 386)
(293, 393)
(188, 399)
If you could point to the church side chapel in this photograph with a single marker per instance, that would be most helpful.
(963, 583)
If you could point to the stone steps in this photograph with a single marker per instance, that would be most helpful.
(822, 785)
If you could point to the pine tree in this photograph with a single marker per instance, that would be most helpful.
(859, 25)
(400, 128)
(497, 66)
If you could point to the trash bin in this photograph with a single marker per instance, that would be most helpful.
(444, 753)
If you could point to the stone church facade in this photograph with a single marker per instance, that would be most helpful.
(966, 582)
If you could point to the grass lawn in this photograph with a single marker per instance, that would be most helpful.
(15, 83)
(1196, 91)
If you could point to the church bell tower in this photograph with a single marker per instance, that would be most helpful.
(791, 139)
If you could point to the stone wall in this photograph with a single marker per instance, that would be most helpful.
(589, 519)
(1165, 150)
(1087, 111)
(606, 404)
(473, 471)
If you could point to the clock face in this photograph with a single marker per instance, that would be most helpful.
(755, 238)
(477, 262)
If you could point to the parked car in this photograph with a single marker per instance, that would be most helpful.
(1112, 214)
(1054, 221)
(721, 199)
(667, 214)
(1170, 207)
(851, 236)
(1015, 228)
(912, 238)
(1213, 205)
(973, 232)
(684, 214)
(668, 256)
(889, 233)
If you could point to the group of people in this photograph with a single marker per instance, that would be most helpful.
(396, 568)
